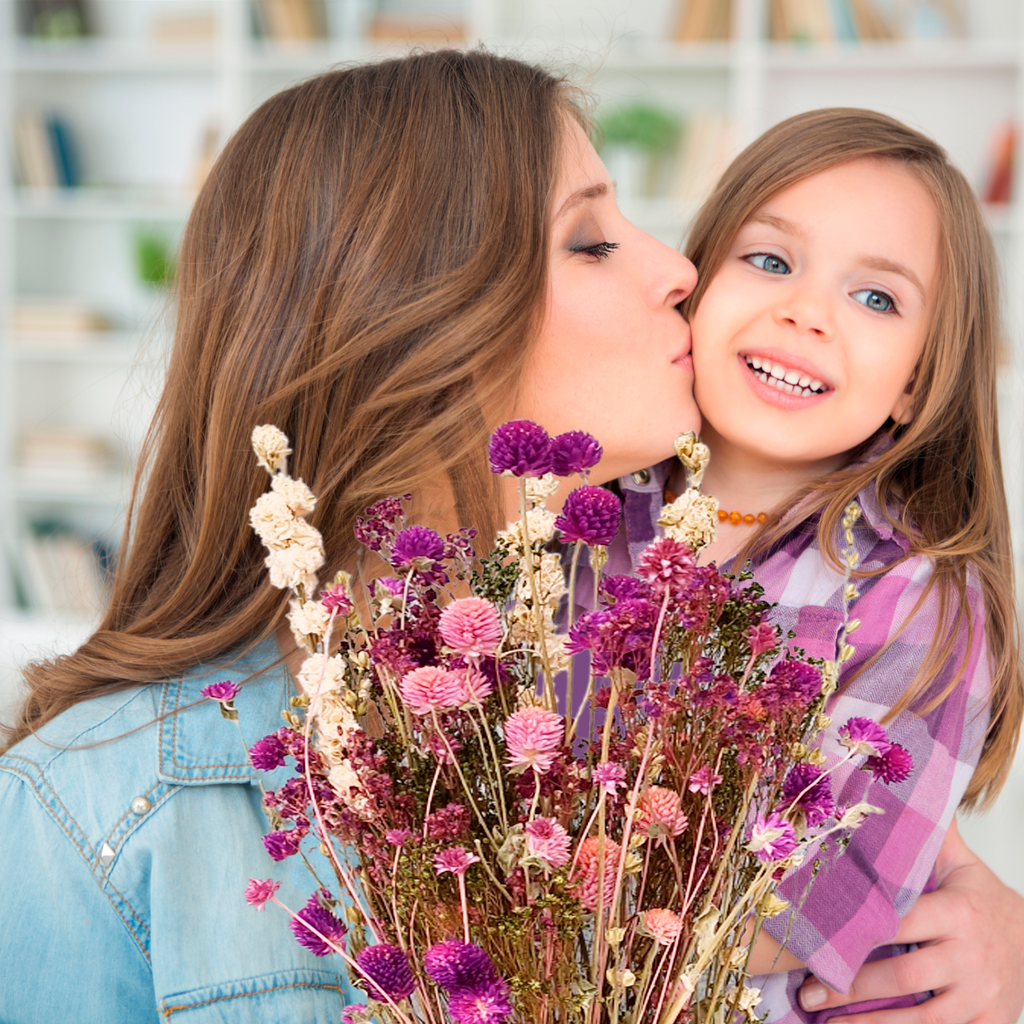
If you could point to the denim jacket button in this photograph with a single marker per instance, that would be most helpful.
(642, 476)
(140, 805)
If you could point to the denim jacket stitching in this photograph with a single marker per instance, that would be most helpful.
(117, 836)
(166, 1010)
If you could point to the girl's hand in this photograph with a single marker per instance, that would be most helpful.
(971, 932)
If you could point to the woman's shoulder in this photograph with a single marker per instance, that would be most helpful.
(116, 756)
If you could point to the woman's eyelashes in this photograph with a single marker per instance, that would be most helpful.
(596, 250)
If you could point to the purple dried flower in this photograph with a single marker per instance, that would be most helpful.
(667, 565)
(224, 691)
(703, 780)
(387, 970)
(336, 600)
(323, 921)
(455, 859)
(417, 547)
(893, 765)
(862, 736)
(268, 753)
(397, 836)
(762, 638)
(520, 448)
(772, 838)
(590, 514)
(377, 527)
(622, 588)
(456, 965)
(259, 891)
(488, 1004)
(791, 686)
(609, 776)
(281, 845)
(817, 802)
(355, 1013)
(574, 452)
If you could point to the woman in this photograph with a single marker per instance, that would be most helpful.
(385, 262)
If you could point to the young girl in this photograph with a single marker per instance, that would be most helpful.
(845, 328)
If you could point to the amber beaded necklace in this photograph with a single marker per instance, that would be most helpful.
(736, 518)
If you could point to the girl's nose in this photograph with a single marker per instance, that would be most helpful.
(806, 310)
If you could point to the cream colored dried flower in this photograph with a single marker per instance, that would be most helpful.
(540, 488)
(346, 783)
(321, 673)
(694, 455)
(293, 567)
(771, 905)
(749, 998)
(854, 815)
(550, 583)
(691, 519)
(540, 522)
(271, 447)
(272, 520)
(296, 495)
(308, 619)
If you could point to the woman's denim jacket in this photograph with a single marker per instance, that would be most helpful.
(124, 865)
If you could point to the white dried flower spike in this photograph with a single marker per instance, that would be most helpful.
(294, 493)
(540, 488)
(692, 519)
(321, 673)
(272, 520)
(694, 455)
(271, 447)
(308, 619)
(295, 565)
(854, 815)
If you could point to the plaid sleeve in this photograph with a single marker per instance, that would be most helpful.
(858, 895)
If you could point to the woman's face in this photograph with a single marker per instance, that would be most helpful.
(613, 352)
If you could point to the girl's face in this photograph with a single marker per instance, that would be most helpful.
(613, 353)
(806, 340)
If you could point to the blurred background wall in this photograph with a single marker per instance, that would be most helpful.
(111, 111)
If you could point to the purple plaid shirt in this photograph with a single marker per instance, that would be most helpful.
(852, 911)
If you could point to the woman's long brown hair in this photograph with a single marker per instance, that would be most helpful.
(943, 469)
(363, 268)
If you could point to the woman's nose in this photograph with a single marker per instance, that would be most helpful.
(676, 276)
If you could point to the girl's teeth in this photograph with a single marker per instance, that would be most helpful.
(790, 381)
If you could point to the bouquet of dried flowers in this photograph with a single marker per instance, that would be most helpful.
(517, 841)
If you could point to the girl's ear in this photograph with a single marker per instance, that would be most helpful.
(903, 411)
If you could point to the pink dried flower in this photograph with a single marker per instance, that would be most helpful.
(762, 638)
(587, 871)
(894, 765)
(772, 838)
(471, 626)
(355, 1013)
(663, 924)
(224, 692)
(547, 840)
(259, 891)
(609, 776)
(429, 688)
(488, 1003)
(397, 836)
(337, 599)
(667, 565)
(862, 736)
(703, 780)
(476, 685)
(455, 859)
(533, 738)
(659, 814)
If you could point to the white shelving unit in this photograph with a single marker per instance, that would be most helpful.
(139, 110)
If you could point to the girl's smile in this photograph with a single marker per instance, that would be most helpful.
(807, 338)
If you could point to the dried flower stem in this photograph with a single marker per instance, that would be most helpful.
(538, 611)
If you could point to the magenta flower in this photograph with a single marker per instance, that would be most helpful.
(547, 840)
(268, 753)
(355, 1013)
(590, 514)
(428, 689)
(281, 845)
(892, 765)
(417, 547)
(397, 836)
(485, 1004)
(667, 565)
(762, 638)
(455, 859)
(386, 969)
(609, 776)
(862, 736)
(574, 452)
(458, 965)
(520, 448)
(323, 921)
(624, 588)
(258, 891)
(817, 802)
(772, 838)
(703, 780)
(471, 626)
(224, 692)
(790, 687)
(533, 738)
(336, 600)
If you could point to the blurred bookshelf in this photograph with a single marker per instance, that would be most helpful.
(111, 111)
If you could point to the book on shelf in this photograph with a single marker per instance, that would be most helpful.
(999, 182)
(56, 321)
(706, 147)
(188, 29)
(64, 457)
(290, 21)
(62, 572)
(825, 21)
(45, 151)
(414, 21)
(703, 21)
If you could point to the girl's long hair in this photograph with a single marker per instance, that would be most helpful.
(943, 469)
(363, 268)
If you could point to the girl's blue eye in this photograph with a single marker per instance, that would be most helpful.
(878, 301)
(599, 250)
(766, 261)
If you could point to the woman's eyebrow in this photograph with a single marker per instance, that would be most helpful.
(581, 195)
